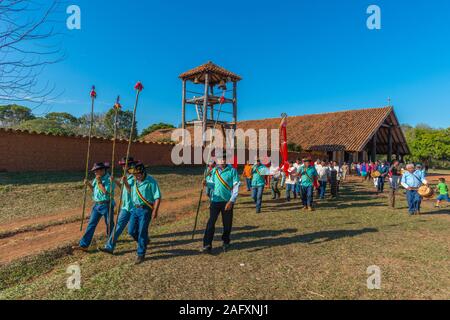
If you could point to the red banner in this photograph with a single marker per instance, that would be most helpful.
(283, 145)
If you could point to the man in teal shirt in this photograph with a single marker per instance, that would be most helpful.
(225, 182)
(259, 171)
(146, 197)
(125, 210)
(308, 175)
(101, 190)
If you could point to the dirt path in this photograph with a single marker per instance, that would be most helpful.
(55, 231)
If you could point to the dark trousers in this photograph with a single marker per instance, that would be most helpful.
(249, 184)
(307, 196)
(322, 189)
(138, 228)
(414, 201)
(215, 209)
(274, 188)
(257, 195)
(380, 186)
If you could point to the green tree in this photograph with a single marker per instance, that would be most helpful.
(154, 127)
(99, 128)
(125, 120)
(12, 115)
(63, 118)
(43, 125)
(292, 147)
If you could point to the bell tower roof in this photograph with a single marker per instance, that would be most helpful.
(216, 74)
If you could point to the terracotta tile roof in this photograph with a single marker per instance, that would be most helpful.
(217, 73)
(347, 130)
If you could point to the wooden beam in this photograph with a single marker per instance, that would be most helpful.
(374, 148)
(205, 108)
(183, 108)
(389, 156)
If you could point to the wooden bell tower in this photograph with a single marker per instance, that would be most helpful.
(214, 96)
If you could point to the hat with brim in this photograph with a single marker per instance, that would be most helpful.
(307, 160)
(124, 161)
(136, 168)
(100, 166)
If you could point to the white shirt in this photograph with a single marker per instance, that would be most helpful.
(291, 179)
(323, 173)
(275, 171)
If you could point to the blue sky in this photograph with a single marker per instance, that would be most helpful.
(296, 57)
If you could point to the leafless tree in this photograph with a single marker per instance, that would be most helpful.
(30, 40)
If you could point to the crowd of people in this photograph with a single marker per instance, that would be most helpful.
(301, 179)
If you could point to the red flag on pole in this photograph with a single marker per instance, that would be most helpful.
(283, 144)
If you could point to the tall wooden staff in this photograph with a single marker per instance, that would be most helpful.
(117, 108)
(93, 97)
(138, 87)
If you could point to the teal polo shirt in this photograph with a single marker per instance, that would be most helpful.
(127, 203)
(149, 189)
(97, 194)
(228, 175)
(259, 172)
(307, 175)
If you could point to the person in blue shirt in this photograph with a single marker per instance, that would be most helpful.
(125, 210)
(308, 175)
(259, 173)
(384, 171)
(225, 181)
(101, 188)
(146, 197)
(412, 181)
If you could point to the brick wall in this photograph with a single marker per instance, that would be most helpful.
(24, 151)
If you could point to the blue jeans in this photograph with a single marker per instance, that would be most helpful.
(257, 195)
(289, 188)
(322, 189)
(215, 209)
(124, 218)
(249, 183)
(138, 228)
(307, 196)
(98, 211)
(414, 201)
(380, 186)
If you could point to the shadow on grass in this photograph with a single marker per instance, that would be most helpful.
(262, 239)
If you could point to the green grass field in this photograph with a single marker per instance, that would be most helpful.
(284, 253)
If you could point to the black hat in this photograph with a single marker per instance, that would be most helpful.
(100, 166)
(124, 161)
(136, 168)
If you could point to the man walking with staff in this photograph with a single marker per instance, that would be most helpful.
(125, 210)
(225, 180)
(101, 188)
(146, 197)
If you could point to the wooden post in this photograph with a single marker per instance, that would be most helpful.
(205, 108)
(183, 109)
(374, 148)
(235, 115)
(389, 156)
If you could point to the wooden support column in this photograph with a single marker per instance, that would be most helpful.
(183, 109)
(389, 155)
(205, 108)
(235, 104)
(374, 148)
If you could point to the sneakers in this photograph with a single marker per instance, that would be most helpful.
(206, 250)
(79, 248)
(311, 209)
(139, 260)
(104, 250)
